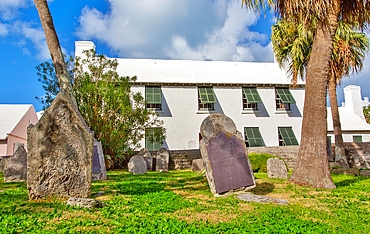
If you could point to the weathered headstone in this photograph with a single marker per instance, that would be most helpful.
(148, 158)
(276, 168)
(162, 160)
(197, 165)
(225, 156)
(60, 150)
(15, 167)
(99, 171)
(137, 165)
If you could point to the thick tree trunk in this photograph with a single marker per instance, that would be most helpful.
(312, 167)
(54, 47)
(340, 155)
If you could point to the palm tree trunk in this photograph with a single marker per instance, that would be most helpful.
(340, 155)
(312, 167)
(54, 47)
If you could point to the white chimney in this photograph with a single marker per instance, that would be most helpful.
(353, 100)
(81, 46)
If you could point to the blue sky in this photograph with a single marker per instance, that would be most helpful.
(189, 29)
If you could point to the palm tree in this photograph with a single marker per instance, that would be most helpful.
(312, 167)
(292, 45)
(54, 47)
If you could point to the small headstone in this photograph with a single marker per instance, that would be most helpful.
(109, 163)
(162, 160)
(99, 171)
(148, 158)
(15, 167)
(60, 151)
(276, 168)
(261, 199)
(197, 165)
(88, 203)
(137, 165)
(225, 156)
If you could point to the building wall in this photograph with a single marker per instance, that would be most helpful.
(19, 133)
(182, 119)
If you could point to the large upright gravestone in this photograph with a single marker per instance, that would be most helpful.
(15, 167)
(225, 156)
(60, 150)
(99, 171)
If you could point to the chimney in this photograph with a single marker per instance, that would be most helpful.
(81, 46)
(353, 101)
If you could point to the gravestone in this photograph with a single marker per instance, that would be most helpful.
(162, 160)
(225, 156)
(276, 168)
(137, 165)
(99, 171)
(60, 151)
(148, 158)
(197, 165)
(15, 167)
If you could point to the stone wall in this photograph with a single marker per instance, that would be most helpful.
(286, 153)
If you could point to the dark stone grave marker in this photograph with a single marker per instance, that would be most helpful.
(225, 156)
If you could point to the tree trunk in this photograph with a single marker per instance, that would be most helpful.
(340, 155)
(312, 167)
(54, 47)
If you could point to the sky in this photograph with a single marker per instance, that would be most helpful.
(160, 29)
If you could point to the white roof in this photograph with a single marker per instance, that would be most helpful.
(202, 72)
(10, 115)
(349, 121)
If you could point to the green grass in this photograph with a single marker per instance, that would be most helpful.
(180, 202)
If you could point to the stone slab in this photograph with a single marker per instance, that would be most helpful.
(137, 165)
(225, 156)
(60, 150)
(197, 165)
(276, 168)
(162, 160)
(261, 199)
(99, 171)
(15, 167)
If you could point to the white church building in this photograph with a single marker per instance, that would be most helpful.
(256, 96)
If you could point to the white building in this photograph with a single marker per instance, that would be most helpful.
(256, 96)
(353, 123)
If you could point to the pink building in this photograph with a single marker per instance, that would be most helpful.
(14, 120)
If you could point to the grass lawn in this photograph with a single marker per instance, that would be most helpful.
(180, 202)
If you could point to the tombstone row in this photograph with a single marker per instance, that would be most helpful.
(144, 162)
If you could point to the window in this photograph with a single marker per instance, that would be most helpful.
(251, 98)
(286, 136)
(283, 98)
(150, 138)
(206, 99)
(253, 137)
(153, 97)
(357, 139)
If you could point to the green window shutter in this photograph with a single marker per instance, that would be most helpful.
(149, 132)
(206, 95)
(254, 137)
(252, 96)
(357, 139)
(153, 95)
(288, 136)
(285, 95)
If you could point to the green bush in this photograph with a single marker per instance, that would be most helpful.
(259, 161)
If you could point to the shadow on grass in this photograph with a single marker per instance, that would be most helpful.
(263, 188)
(350, 182)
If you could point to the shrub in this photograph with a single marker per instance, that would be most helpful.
(259, 161)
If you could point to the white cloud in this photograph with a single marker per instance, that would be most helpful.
(8, 8)
(4, 29)
(191, 29)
